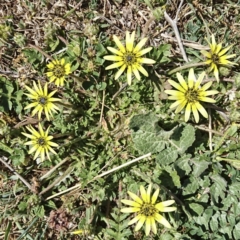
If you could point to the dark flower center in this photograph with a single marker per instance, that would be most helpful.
(215, 58)
(129, 58)
(42, 100)
(58, 71)
(41, 141)
(148, 209)
(192, 95)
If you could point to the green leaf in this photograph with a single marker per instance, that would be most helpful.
(22, 206)
(214, 222)
(101, 86)
(39, 211)
(205, 218)
(187, 138)
(5, 148)
(162, 53)
(5, 98)
(167, 156)
(18, 157)
(175, 177)
(191, 187)
(236, 231)
(147, 135)
(73, 49)
(53, 43)
(183, 163)
(199, 167)
(168, 236)
(197, 208)
(18, 95)
(218, 187)
(9, 87)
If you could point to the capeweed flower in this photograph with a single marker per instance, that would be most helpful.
(129, 57)
(58, 70)
(42, 101)
(217, 56)
(189, 95)
(40, 141)
(147, 210)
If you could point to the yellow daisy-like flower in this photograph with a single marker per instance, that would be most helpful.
(190, 94)
(42, 100)
(217, 56)
(40, 142)
(129, 57)
(58, 71)
(147, 210)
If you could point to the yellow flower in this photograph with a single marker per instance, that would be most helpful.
(129, 57)
(217, 56)
(147, 210)
(41, 100)
(40, 142)
(190, 95)
(58, 71)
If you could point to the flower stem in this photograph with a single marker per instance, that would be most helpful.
(186, 67)
(227, 159)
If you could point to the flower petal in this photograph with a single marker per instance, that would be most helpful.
(130, 210)
(131, 203)
(207, 93)
(182, 81)
(148, 225)
(178, 94)
(113, 58)
(129, 75)
(140, 222)
(115, 65)
(144, 51)
(135, 197)
(119, 44)
(177, 86)
(120, 71)
(206, 54)
(162, 220)
(140, 45)
(136, 73)
(146, 60)
(216, 73)
(191, 78)
(142, 70)
(199, 81)
(178, 102)
(181, 106)
(115, 51)
(206, 86)
(144, 194)
(155, 196)
(187, 112)
(135, 219)
(201, 109)
(224, 51)
(130, 41)
(207, 99)
(195, 112)
(162, 206)
(153, 225)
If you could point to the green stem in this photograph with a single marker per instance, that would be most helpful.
(7, 96)
(227, 159)
(178, 69)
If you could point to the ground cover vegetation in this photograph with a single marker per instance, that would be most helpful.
(119, 119)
